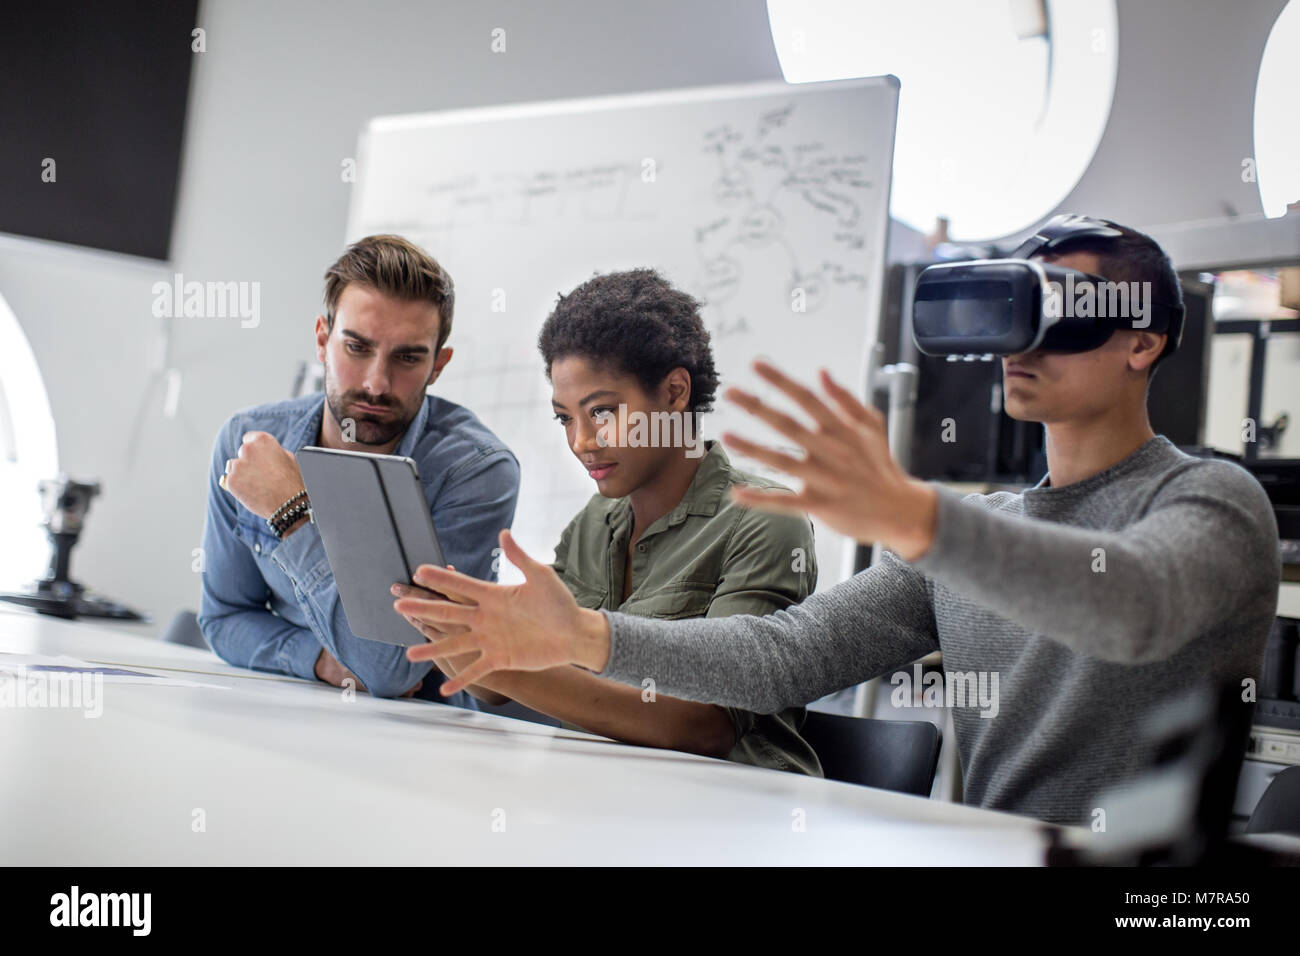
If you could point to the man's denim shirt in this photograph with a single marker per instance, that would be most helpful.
(273, 605)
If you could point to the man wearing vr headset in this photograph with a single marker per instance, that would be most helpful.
(1129, 573)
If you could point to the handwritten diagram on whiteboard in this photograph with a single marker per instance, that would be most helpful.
(768, 203)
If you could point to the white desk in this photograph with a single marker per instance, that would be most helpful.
(287, 772)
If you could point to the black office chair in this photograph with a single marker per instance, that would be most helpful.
(897, 755)
(1278, 810)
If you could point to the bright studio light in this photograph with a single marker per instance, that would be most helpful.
(1277, 136)
(1003, 102)
(28, 453)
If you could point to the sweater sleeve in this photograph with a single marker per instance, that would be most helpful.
(878, 619)
(1205, 548)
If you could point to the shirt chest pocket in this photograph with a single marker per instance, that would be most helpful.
(586, 595)
(671, 604)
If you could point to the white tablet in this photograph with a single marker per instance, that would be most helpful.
(375, 523)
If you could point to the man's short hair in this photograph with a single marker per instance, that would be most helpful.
(636, 323)
(395, 267)
(1130, 257)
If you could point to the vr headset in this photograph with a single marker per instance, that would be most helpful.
(989, 307)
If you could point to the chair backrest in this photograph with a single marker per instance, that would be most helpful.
(890, 754)
(184, 629)
(1278, 810)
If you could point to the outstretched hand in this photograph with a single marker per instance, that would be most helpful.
(850, 480)
(532, 626)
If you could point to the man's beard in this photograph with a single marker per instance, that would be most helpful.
(366, 428)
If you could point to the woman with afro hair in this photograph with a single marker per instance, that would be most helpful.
(632, 372)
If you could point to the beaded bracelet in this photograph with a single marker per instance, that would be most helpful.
(287, 520)
(297, 506)
(279, 512)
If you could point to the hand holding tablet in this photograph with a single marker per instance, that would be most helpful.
(375, 523)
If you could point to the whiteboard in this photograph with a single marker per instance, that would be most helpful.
(768, 202)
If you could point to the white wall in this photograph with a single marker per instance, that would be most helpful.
(276, 104)
(1183, 113)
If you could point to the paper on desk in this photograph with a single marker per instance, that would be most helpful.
(37, 665)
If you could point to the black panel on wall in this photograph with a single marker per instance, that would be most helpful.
(101, 89)
(961, 432)
(1176, 401)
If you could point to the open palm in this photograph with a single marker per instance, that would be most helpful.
(523, 627)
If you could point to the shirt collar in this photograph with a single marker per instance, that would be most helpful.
(703, 495)
(712, 478)
(1135, 458)
(307, 431)
(406, 447)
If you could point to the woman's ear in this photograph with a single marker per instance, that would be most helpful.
(677, 384)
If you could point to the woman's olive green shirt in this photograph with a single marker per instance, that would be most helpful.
(708, 557)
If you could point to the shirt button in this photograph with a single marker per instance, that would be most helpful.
(641, 548)
(257, 548)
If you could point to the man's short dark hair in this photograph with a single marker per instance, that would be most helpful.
(1130, 257)
(636, 323)
(395, 267)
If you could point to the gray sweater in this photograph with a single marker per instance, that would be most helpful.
(1078, 609)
